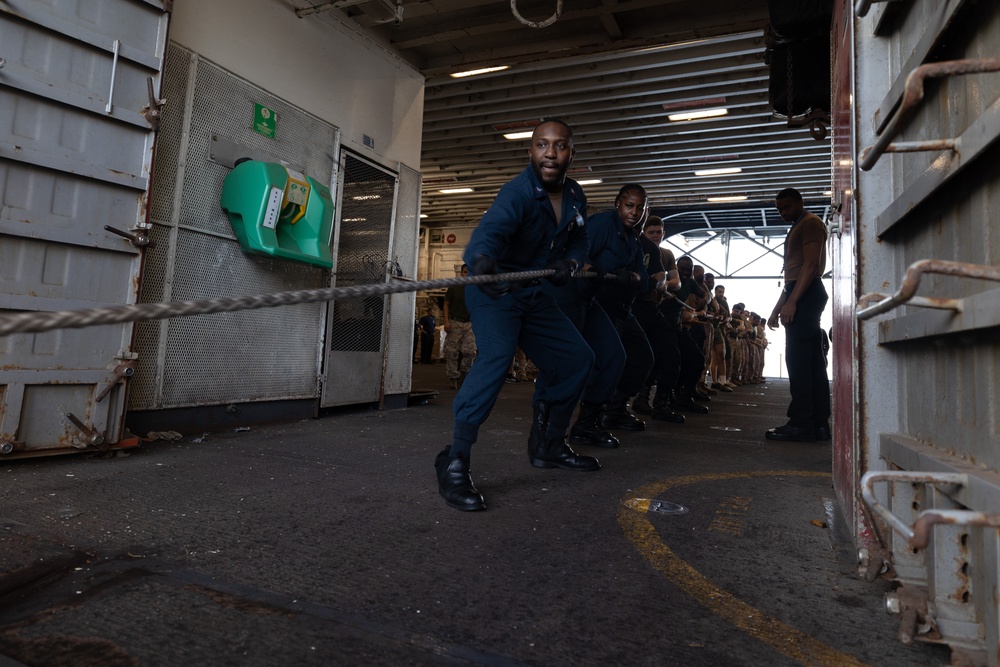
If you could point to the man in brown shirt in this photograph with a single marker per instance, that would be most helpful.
(799, 309)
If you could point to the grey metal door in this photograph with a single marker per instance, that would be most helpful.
(75, 158)
(356, 327)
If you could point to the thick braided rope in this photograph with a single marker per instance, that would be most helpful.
(34, 322)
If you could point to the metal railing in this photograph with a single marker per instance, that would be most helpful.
(911, 281)
(868, 493)
(913, 94)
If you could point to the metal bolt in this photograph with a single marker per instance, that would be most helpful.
(892, 604)
(5, 446)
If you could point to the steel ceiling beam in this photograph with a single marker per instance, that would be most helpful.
(622, 62)
(598, 66)
(640, 115)
(698, 25)
(717, 133)
(661, 81)
(482, 23)
(704, 88)
(764, 154)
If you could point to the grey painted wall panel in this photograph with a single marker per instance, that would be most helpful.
(938, 391)
(246, 356)
(67, 169)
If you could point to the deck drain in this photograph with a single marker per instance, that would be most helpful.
(658, 506)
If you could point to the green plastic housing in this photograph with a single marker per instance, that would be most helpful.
(259, 199)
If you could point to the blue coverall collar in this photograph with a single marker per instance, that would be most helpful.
(573, 201)
(540, 192)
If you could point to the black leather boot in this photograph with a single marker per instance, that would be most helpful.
(455, 482)
(823, 432)
(640, 404)
(555, 453)
(617, 416)
(539, 422)
(545, 452)
(662, 411)
(586, 430)
(683, 401)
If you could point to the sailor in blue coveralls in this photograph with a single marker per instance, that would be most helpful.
(537, 221)
(615, 232)
(613, 252)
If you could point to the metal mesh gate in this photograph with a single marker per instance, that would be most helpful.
(362, 254)
(357, 325)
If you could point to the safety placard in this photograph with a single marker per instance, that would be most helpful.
(265, 121)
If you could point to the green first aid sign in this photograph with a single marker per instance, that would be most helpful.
(265, 121)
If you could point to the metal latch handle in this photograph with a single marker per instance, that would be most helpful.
(151, 112)
(116, 47)
(125, 370)
(93, 437)
(139, 240)
(868, 493)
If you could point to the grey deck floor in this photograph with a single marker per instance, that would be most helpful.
(324, 542)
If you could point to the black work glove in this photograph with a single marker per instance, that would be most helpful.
(564, 270)
(487, 266)
(625, 278)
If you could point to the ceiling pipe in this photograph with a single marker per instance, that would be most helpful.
(531, 24)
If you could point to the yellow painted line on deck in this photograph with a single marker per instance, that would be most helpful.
(791, 642)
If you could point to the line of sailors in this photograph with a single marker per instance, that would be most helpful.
(601, 346)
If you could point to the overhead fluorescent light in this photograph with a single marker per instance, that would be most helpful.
(828, 193)
(519, 135)
(718, 172)
(696, 115)
(365, 197)
(591, 181)
(455, 191)
(423, 215)
(728, 198)
(474, 72)
(354, 219)
(694, 104)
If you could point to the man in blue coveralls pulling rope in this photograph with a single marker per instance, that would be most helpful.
(536, 221)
